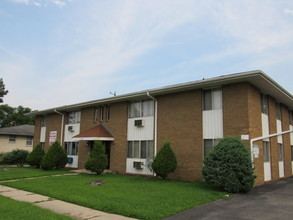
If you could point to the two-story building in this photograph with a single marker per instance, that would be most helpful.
(191, 116)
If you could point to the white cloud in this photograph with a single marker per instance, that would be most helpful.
(39, 3)
(288, 11)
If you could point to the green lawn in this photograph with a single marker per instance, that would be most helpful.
(133, 196)
(9, 173)
(15, 210)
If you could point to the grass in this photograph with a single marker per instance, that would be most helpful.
(133, 196)
(14, 210)
(9, 173)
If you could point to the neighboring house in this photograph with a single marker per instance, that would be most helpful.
(18, 137)
(191, 116)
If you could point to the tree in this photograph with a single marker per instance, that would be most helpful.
(229, 166)
(3, 92)
(165, 162)
(10, 116)
(98, 160)
(54, 158)
(36, 156)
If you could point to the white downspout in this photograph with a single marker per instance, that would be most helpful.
(263, 137)
(62, 123)
(155, 122)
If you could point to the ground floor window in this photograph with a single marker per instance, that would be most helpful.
(292, 153)
(71, 148)
(280, 147)
(42, 145)
(266, 151)
(209, 145)
(29, 141)
(12, 138)
(140, 149)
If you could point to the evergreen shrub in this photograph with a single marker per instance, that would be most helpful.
(17, 157)
(98, 160)
(229, 166)
(35, 157)
(55, 158)
(165, 161)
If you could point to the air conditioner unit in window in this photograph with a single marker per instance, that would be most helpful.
(70, 128)
(139, 123)
(137, 165)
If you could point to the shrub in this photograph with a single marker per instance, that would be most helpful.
(229, 166)
(98, 160)
(54, 158)
(165, 162)
(17, 157)
(35, 157)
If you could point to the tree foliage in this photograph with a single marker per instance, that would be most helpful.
(36, 156)
(17, 157)
(10, 116)
(3, 92)
(54, 158)
(229, 166)
(98, 160)
(165, 162)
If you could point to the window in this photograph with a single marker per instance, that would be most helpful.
(42, 145)
(73, 117)
(266, 151)
(291, 153)
(108, 113)
(264, 104)
(71, 148)
(209, 145)
(280, 147)
(212, 99)
(140, 149)
(29, 141)
(141, 108)
(279, 111)
(96, 114)
(291, 117)
(12, 138)
(43, 121)
(101, 113)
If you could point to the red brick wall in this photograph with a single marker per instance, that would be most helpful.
(180, 123)
(37, 133)
(53, 123)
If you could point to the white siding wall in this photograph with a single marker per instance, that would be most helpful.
(213, 124)
(279, 129)
(130, 169)
(291, 136)
(43, 134)
(74, 164)
(265, 125)
(68, 135)
(141, 133)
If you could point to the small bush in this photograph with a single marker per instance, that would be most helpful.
(17, 157)
(98, 160)
(54, 158)
(229, 166)
(35, 157)
(165, 162)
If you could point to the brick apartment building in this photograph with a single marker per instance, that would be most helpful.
(191, 116)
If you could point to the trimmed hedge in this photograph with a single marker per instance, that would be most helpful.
(17, 157)
(229, 166)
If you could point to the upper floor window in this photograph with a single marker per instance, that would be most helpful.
(12, 138)
(43, 121)
(141, 108)
(100, 113)
(212, 99)
(73, 117)
(108, 112)
(279, 111)
(264, 104)
(291, 117)
(29, 141)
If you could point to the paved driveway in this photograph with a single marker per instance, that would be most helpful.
(272, 201)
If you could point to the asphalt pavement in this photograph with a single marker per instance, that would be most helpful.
(271, 201)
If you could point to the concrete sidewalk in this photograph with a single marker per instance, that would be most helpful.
(61, 207)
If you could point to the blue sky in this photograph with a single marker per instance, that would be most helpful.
(60, 52)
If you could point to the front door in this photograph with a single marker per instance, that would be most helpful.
(108, 151)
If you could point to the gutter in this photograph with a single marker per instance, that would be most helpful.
(62, 124)
(155, 122)
(263, 137)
